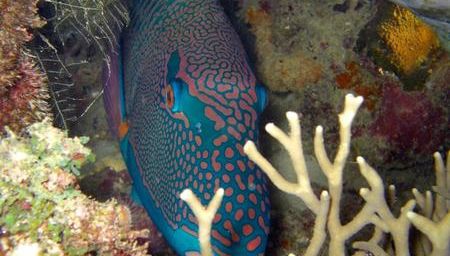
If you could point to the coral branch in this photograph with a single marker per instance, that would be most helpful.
(375, 211)
(438, 233)
(398, 227)
(434, 224)
(292, 143)
(205, 217)
(320, 233)
(442, 185)
(333, 171)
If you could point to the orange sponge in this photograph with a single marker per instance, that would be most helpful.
(409, 39)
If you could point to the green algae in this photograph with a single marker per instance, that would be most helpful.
(41, 206)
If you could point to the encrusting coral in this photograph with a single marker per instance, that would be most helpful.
(375, 211)
(23, 88)
(435, 13)
(408, 38)
(279, 71)
(42, 212)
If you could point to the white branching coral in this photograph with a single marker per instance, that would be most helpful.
(435, 221)
(375, 211)
(205, 217)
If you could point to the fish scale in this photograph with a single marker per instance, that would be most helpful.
(183, 104)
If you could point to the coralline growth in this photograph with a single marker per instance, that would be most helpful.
(435, 13)
(278, 70)
(42, 212)
(409, 40)
(23, 88)
(433, 222)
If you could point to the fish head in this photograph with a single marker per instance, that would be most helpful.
(216, 106)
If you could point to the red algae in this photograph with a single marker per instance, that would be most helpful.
(354, 78)
(409, 122)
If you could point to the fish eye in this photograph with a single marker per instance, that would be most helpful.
(169, 96)
(263, 99)
(172, 95)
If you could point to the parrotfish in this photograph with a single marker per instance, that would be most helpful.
(182, 99)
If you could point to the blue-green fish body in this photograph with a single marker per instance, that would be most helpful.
(183, 100)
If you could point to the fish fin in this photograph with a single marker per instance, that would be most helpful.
(135, 196)
(113, 94)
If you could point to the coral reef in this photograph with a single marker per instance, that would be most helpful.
(108, 183)
(376, 211)
(409, 122)
(41, 208)
(72, 49)
(296, 44)
(358, 79)
(16, 18)
(315, 42)
(296, 70)
(435, 13)
(96, 23)
(409, 40)
(403, 119)
(23, 88)
(402, 125)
